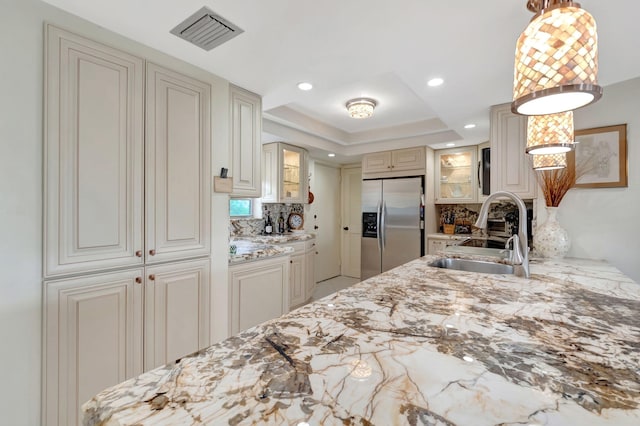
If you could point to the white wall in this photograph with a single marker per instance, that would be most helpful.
(603, 223)
(21, 159)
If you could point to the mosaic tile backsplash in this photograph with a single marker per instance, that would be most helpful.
(253, 226)
(467, 214)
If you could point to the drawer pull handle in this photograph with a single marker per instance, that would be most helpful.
(138, 280)
(152, 252)
(152, 277)
(139, 253)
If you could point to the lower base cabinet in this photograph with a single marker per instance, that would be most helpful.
(310, 263)
(302, 272)
(106, 328)
(259, 291)
(177, 312)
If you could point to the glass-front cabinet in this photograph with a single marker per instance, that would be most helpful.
(284, 173)
(456, 175)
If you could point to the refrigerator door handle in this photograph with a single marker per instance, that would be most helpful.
(382, 225)
(379, 227)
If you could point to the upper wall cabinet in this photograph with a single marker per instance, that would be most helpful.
(401, 162)
(178, 166)
(95, 129)
(510, 166)
(456, 175)
(246, 128)
(284, 171)
(93, 155)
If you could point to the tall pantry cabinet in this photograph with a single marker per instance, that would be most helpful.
(127, 219)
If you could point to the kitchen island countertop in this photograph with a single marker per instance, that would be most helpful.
(416, 345)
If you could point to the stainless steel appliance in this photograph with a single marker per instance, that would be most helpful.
(392, 223)
(484, 171)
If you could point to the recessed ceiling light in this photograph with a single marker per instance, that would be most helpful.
(305, 86)
(331, 154)
(469, 126)
(451, 144)
(435, 82)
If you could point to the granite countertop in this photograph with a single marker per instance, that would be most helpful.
(416, 345)
(287, 237)
(247, 251)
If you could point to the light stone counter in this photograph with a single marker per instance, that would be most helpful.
(287, 237)
(247, 251)
(416, 346)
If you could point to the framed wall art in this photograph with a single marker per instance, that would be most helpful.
(600, 157)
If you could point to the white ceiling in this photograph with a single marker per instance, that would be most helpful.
(382, 49)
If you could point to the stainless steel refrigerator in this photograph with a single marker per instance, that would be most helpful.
(392, 223)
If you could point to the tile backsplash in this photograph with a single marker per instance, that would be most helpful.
(253, 226)
(463, 214)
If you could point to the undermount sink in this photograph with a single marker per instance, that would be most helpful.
(470, 265)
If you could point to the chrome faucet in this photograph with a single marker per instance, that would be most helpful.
(520, 253)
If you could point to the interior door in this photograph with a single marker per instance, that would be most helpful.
(351, 221)
(326, 209)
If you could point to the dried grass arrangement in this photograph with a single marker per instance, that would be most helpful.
(555, 184)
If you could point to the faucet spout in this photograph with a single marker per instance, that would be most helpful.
(520, 254)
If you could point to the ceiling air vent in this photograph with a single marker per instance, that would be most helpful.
(206, 29)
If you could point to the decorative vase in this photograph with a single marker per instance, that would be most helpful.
(550, 239)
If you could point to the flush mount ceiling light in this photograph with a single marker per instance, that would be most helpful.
(550, 161)
(550, 134)
(361, 107)
(556, 61)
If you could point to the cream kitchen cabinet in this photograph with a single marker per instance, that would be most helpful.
(456, 175)
(511, 168)
(258, 291)
(297, 279)
(93, 335)
(438, 242)
(246, 146)
(310, 266)
(113, 213)
(388, 163)
(94, 166)
(177, 313)
(105, 328)
(301, 272)
(178, 166)
(94, 161)
(285, 177)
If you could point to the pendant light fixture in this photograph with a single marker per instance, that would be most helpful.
(550, 161)
(361, 107)
(550, 134)
(556, 60)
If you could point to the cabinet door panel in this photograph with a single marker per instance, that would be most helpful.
(259, 291)
(93, 340)
(408, 159)
(93, 155)
(310, 266)
(456, 175)
(177, 311)
(246, 129)
(297, 279)
(377, 162)
(511, 168)
(178, 166)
